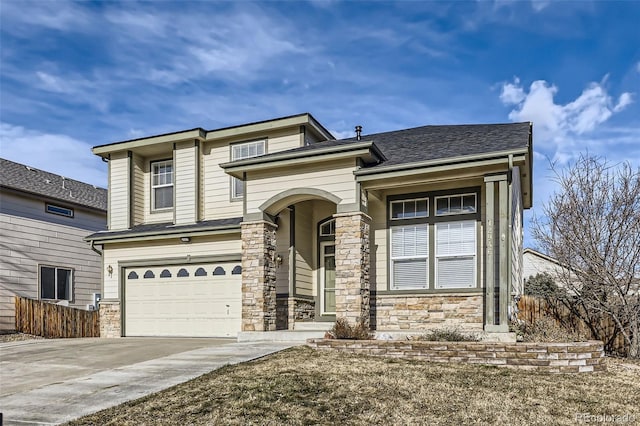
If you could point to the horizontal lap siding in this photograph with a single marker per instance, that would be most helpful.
(119, 191)
(336, 178)
(304, 250)
(139, 204)
(26, 242)
(282, 249)
(185, 183)
(217, 184)
(170, 248)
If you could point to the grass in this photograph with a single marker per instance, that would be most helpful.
(303, 386)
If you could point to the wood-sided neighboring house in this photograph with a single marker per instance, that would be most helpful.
(275, 225)
(44, 218)
(535, 262)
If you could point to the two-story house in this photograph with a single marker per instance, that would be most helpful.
(277, 225)
(44, 218)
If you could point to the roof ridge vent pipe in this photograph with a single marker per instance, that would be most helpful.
(358, 132)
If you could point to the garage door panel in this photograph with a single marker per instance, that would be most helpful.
(190, 305)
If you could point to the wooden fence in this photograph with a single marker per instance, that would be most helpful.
(48, 320)
(531, 308)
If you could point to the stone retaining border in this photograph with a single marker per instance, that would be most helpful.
(570, 357)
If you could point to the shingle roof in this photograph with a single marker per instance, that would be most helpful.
(436, 142)
(168, 227)
(34, 181)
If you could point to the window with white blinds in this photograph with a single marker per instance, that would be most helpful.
(456, 254)
(409, 257)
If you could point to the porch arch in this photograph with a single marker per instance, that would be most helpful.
(295, 195)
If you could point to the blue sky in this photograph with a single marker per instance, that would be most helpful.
(75, 75)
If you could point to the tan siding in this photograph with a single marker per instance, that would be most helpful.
(138, 202)
(304, 249)
(29, 237)
(217, 184)
(170, 248)
(119, 191)
(185, 183)
(336, 178)
(284, 140)
(282, 249)
(516, 234)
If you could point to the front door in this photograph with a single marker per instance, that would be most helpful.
(328, 278)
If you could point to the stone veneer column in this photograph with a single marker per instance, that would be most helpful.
(109, 312)
(352, 266)
(258, 276)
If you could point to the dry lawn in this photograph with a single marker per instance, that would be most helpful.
(303, 386)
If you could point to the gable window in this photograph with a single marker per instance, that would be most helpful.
(56, 283)
(243, 151)
(433, 242)
(162, 184)
(62, 211)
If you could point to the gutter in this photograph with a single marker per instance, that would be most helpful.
(163, 234)
(441, 161)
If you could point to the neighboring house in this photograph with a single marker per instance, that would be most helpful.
(44, 218)
(534, 263)
(277, 225)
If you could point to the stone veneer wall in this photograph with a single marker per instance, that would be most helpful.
(300, 310)
(576, 357)
(258, 276)
(110, 325)
(352, 266)
(422, 312)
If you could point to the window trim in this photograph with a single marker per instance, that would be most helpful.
(49, 206)
(432, 220)
(232, 180)
(55, 288)
(154, 187)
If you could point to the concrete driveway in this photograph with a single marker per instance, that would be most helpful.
(53, 381)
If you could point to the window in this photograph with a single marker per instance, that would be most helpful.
(328, 228)
(56, 283)
(409, 209)
(409, 256)
(434, 250)
(242, 151)
(162, 185)
(456, 204)
(456, 254)
(62, 211)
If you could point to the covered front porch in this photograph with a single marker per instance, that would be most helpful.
(305, 262)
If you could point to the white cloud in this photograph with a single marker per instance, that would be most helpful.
(638, 66)
(557, 126)
(56, 153)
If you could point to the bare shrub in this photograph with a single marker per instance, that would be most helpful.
(343, 330)
(445, 335)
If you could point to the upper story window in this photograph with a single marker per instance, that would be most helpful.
(456, 204)
(162, 184)
(241, 151)
(62, 211)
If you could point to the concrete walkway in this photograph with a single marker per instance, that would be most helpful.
(63, 399)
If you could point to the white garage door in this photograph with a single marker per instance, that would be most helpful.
(185, 300)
